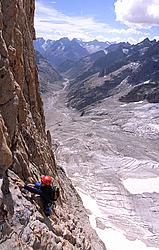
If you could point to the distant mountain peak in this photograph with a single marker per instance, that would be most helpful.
(62, 53)
(146, 41)
(90, 46)
(75, 40)
(65, 39)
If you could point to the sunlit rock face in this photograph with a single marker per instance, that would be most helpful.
(25, 148)
(5, 152)
(20, 101)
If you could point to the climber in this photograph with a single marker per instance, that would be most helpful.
(46, 190)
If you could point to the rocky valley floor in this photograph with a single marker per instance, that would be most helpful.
(111, 154)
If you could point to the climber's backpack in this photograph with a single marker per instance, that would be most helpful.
(53, 193)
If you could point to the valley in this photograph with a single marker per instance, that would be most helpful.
(104, 125)
(106, 150)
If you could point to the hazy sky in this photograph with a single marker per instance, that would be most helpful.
(105, 20)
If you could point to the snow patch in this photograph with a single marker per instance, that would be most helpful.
(89, 203)
(113, 238)
(155, 59)
(139, 186)
(126, 51)
(44, 45)
(123, 105)
(105, 51)
(138, 102)
(62, 48)
(147, 81)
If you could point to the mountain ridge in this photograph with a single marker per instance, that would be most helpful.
(64, 53)
(49, 78)
(40, 42)
(61, 54)
(123, 64)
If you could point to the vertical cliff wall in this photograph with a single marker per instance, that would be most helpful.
(20, 101)
(25, 148)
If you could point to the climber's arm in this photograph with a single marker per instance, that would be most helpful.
(32, 189)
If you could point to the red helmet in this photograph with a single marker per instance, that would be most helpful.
(46, 180)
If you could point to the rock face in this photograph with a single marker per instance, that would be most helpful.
(25, 148)
(116, 73)
(84, 67)
(146, 91)
(5, 152)
(49, 78)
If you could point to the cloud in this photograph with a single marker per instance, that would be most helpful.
(53, 24)
(142, 13)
